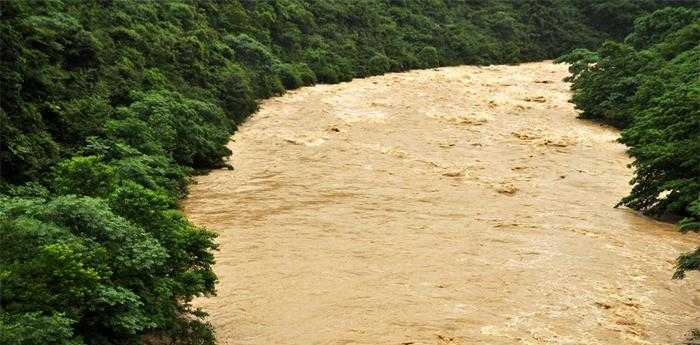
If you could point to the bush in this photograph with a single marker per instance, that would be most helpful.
(290, 77)
(321, 64)
(378, 64)
(308, 77)
(236, 94)
(34, 328)
(428, 57)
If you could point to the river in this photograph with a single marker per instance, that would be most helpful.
(460, 205)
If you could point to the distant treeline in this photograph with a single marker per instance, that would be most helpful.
(649, 85)
(107, 106)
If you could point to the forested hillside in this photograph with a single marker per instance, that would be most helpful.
(649, 85)
(108, 106)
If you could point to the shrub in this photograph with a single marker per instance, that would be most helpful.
(428, 57)
(34, 328)
(289, 75)
(321, 64)
(378, 64)
(308, 77)
(236, 95)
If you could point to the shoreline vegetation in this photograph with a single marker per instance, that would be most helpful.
(649, 86)
(107, 107)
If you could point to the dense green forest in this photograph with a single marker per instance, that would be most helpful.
(107, 106)
(649, 85)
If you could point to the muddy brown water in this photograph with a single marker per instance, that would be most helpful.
(461, 205)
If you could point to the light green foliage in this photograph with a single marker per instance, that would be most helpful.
(83, 176)
(37, 328)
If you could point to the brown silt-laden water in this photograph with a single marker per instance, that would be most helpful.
(461, 205)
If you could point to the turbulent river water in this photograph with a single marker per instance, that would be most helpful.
(461, 205)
